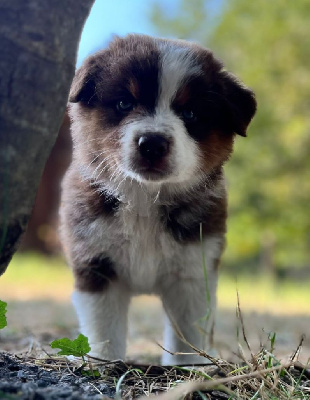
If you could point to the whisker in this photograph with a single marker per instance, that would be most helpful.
(94, 159)
(107, 166)
(96, 151)
(98, 166)
(103, 161)
(157, 196)
(117, 169)
(117, 188)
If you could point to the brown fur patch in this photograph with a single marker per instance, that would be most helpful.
(83, 201)
(215, 149)
(95, 275)
(133, 87)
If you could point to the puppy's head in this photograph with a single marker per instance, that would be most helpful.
(156, 110)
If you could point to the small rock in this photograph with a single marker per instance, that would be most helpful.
(42, 383)
(103, 387)
(40, 396)
(82, 380)
(6, 387)
(21, 374)
(76, 395)
(13, 367)
(63, 393)
(44, 375)
(220, 395)
(33, 368)
(96, 397)
(54, 378)
(29, 387)
(50, 378)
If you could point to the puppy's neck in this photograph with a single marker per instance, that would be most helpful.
(136, 197)
(143, 199)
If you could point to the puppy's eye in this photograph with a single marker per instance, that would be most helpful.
(189, 115)
(125, 106)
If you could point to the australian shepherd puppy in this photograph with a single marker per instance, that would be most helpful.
(144, 201)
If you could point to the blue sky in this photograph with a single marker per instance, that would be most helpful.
(109, 17)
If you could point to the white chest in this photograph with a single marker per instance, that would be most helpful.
(147, 248)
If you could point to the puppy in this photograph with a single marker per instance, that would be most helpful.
(144, 201)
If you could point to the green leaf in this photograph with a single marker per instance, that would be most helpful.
(94, 373)
(3, 322)
(78, 347)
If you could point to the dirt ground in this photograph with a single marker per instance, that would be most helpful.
(34, 324)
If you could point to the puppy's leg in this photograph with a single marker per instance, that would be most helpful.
(190, 302)
(191, 311)
(103, 319)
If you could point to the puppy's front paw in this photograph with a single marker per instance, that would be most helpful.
(188, 358)
(103, 351)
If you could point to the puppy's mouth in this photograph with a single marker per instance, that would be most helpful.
(151, 157)
(151, 173)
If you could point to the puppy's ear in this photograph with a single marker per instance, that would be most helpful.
(240, 100)
(83, 88)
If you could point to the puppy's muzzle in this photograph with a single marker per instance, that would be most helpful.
(153, 147)
(150, 157)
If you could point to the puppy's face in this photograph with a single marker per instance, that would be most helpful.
(156, 111)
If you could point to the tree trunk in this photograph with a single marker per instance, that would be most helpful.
(38, 42)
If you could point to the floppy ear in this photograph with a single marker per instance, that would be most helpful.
(240, 100)
(83, 87)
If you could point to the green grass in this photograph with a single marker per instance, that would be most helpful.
(33, 276)
(264, 294)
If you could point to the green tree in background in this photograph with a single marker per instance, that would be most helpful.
(267, 44)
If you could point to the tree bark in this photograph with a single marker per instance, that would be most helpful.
(38, 42)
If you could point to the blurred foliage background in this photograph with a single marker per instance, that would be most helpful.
(266, 44)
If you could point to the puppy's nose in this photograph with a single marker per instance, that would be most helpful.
(153, 147)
